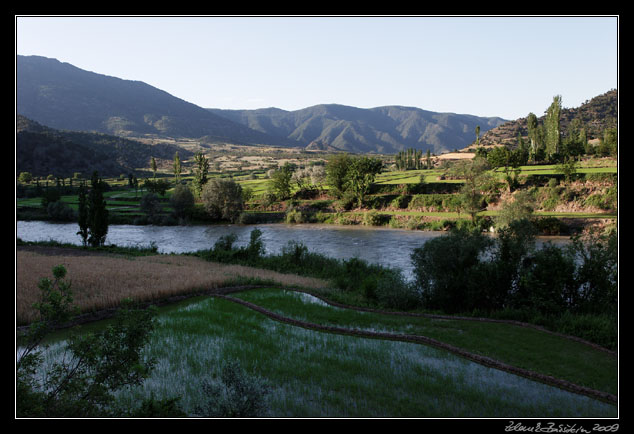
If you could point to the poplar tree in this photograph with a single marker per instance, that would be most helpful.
(177, 167)
(531, 122)
(201, 169)
(553, 136)
(83, 214)
(97, 212)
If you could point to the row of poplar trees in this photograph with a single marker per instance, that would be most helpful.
(412, 159)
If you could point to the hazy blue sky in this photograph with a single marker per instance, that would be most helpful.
(486, 66)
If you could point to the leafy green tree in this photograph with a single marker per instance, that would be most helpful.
(477, 132)
(361, 174)
(25, 177)
(201, 170)
(177, 168)
(449, 271)
(500, 156)
(156, 186)
(336, 172)
(280, 182)
(150, 205)
(153, 165)
(552, 124)
(182, 201)
(95, 366)
(477, 182)
(222, 199)
(598, 272)
(531, 123)
(520, 207)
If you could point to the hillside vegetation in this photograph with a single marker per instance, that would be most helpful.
(595, 115)
(43, 151)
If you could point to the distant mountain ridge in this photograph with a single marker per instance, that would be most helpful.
(64, 97)
(387, 129)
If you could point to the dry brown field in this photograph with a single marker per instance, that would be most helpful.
(100, 281)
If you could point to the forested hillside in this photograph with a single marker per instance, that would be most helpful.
(596, 116)
(42, 151)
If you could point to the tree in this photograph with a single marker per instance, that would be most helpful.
(97, 212)
(477, 180)
(531, 123)
(477, 132)
(153, 165)
(177, 168)
(553, 133)
(361, 174)
(25, 177)
(201, 169)
(82, 214)
(280, 182)
(520, 207)
(449, 271)
(182, 201)
(150, 205)
(336, 171)
(222, 199)
(156, 186)
(95, 365)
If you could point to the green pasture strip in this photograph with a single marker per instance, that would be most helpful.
(316, 374)
(523, 347)
(584, 215)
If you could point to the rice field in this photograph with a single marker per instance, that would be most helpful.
(316, 374)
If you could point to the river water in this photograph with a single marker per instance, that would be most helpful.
(389, 247)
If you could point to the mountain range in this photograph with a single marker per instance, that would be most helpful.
(64, 97)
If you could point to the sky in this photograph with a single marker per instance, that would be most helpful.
(506, 66)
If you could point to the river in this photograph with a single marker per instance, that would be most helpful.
(389, 247)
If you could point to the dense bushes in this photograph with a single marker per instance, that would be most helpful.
(464, 271)
(468, 272)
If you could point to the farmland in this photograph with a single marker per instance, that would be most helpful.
(589, 199)
(303, 335)
(320, 359)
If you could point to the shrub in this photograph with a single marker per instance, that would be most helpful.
(238, 394)
(59, 211)
(95, 364)
(150, 205)
(394, 291)
(182, 201)
(373, 218)
(448, 270)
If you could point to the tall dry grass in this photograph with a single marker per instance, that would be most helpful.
(100, 282)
